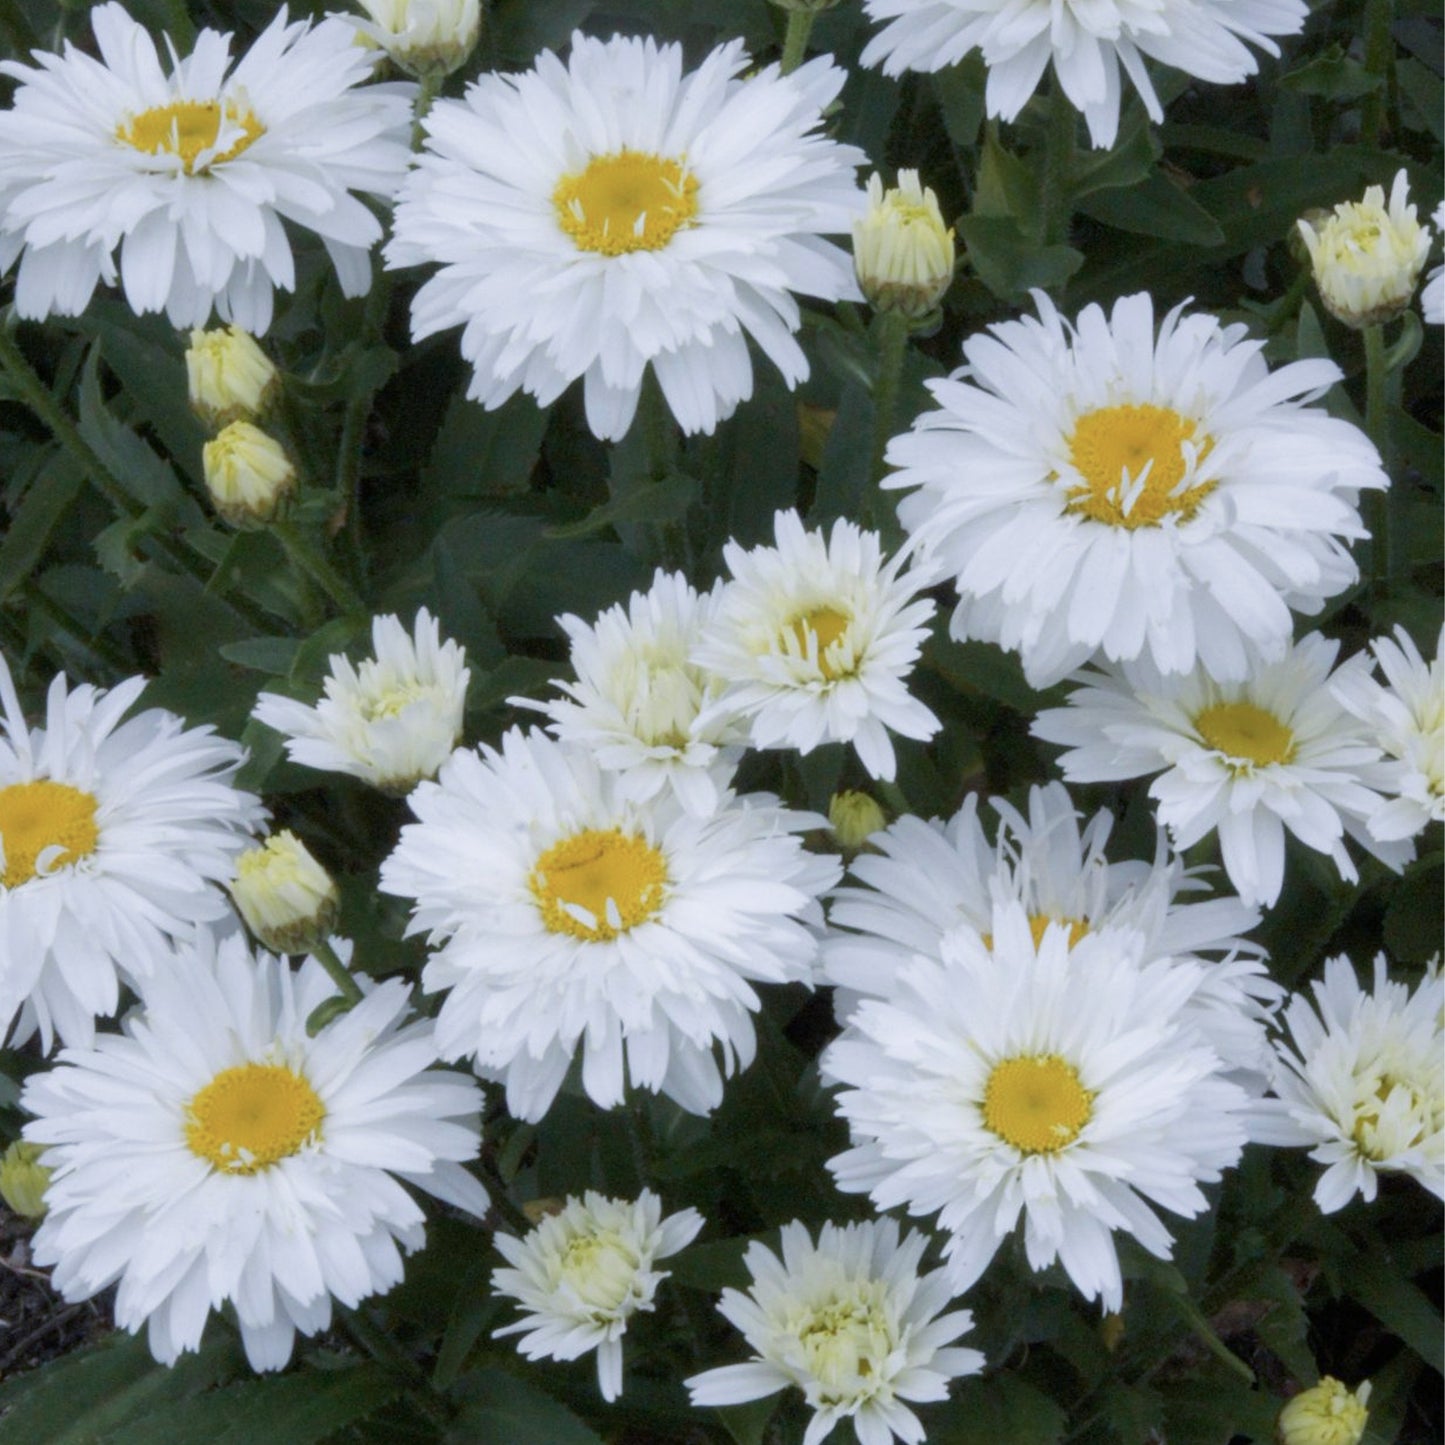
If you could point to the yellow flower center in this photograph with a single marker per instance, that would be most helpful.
(626, 201)
(845, 1339)
(186, 128)
(388, 702)
(827, 625)
(1133, 462)
(249, 1117)
(1039, 925)
(596, 884)
(1036, 1103)
(41, 815)
(1248, 736)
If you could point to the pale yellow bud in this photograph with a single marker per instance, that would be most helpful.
(229, 376)
(1325, 1414)
(1367, 257)
(289, 901)
(248, 474)
(855, 818)
(902, 252)
(425, 37)
(23, 1179)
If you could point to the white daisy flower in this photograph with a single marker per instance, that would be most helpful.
(1248, 759)
(637, 704)
(1061, 1085)
(852, 1323)
(1087, 45)
(1407, 720)
(814, 638)
(1362, 1080)
(216, 1152)
(573, 920)
(922, 880)
(596, 217)
(582, 1274)
(191, 174)
(391, 721)
(1432, 294)
(114, 837)
(1095, 489)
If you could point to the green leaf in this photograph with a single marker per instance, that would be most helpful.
(1002, 1410)
(747, 1424)
(666, 500)
(1373, 1281)
(500, 1407)
(981, 668)
(1334, 76)
(1413, 924)
(271, 655)
(1006, 186)
(1008, 262)
(41, 510)
(959, 92)
(1126, 163)
(1154, 207)
(1423, 89)
(480, 453)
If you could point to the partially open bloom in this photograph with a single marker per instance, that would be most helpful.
(1328, 1413)
(609, 215)
(1097, 489)
(288, 900)
(190, 175)
(582, 1274)
(902, 252)
(424, 37)
(1364, 1083)
(115, 835)
(215, 1151)
(391, 721)
(1367, 256)
(248, 474)
(813, 639)
(850, 1322)
(229, 377)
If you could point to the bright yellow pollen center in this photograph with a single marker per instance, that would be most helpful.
(626, 201)
(1246, 734)
(596, 885)
(1039, 925)
(249, 1117)
(40, 815)
(1036, 1103)
(1115, 440)
(827, 625)
(185, 128)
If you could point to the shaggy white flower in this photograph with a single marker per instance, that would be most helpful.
(850, 1322)
(1248, 759)
(391, 721)
(424, 37)
(1095, 489)
(814, 638)
(214, 1151)
(1087, 45)
(922, 880)
(1432, 294)
(1367, 256)
(1407, 720)
(1364, 1082)
(575, 921)
(637, 704)
(582, 1274)
(114, 837)
(190, 175)
(610, 214)
(1060, 1085)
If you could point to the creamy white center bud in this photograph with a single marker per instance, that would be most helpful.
(288, 900)
(425, 37)
(846, 1341)
(229, 377)
(902, 251)
(248, 474)
(602, 1271)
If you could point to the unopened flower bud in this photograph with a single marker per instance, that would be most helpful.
(289, 901)
(424, 37)
(23, 1179)
(855, 818)
(1325, 1414)
(902, 251)
(248, 474)
(230, 378)
(1367, 258)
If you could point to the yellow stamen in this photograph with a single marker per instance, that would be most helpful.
(1111, 449)
(626, 201)
(1036, 1103)
(186, 128)
(614, 879)
(251, 1117)
(40, 815)
(1247, 735)
(827, 625)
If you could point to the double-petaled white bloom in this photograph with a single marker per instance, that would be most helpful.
(582, 1274)
(1088, 46)
(1095, 489)
(1061, 1086)
(391, 721)
(1407, 720)
(215, 1151)
(424, 37)
(850, 1322)
(638, 702)
(1432, 294)
(115, 835)
(1362, 1080)
(608, 215)
(923, 880)
(191, 175)
(574, 921)
(1367, 255)
(813, 639)
(1246, 759)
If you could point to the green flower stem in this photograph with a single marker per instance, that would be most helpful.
(64, 619)
(428, 88)
(893, 331)
(328, 958)
(1057, 178)
(501, 1200)
(386, 1352)
(795, 41)
(313, 565)
(1379, 54)
(348, 469)
(1377, 426)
